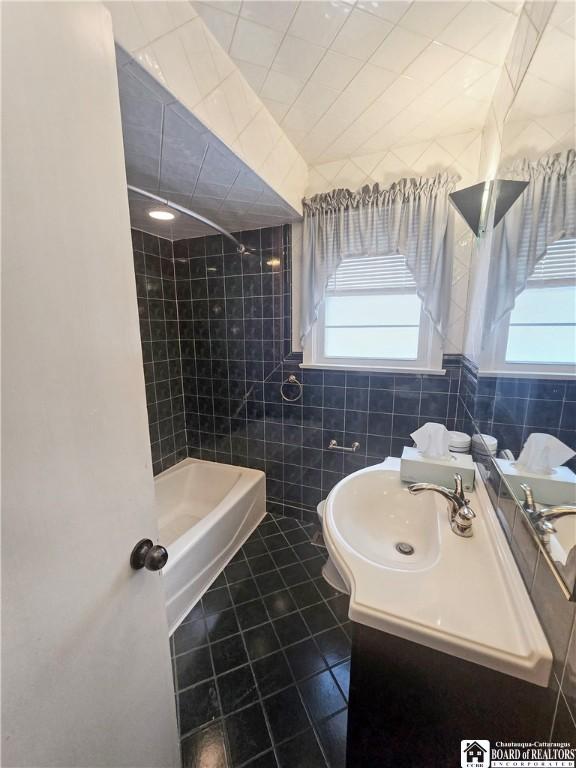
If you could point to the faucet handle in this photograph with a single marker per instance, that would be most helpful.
(529, 504)
(458, 487)
(466, 513)
(544, 527)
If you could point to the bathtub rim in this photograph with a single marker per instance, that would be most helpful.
(247, 480)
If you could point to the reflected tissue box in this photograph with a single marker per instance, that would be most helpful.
(416, 468)
(557, 488)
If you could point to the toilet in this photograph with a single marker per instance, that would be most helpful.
(329, 570)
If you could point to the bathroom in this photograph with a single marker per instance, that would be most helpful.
(289, 358)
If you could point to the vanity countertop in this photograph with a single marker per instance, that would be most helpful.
(461, 596)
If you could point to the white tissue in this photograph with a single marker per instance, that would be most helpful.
(432, 440)
(542, 453)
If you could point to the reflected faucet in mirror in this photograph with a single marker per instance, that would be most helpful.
(543, 518)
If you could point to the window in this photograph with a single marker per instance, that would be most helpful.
(372, 318)
(540, 332)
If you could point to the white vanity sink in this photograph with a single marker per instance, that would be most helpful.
(462, 596)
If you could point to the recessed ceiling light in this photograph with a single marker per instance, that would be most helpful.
(161, 215)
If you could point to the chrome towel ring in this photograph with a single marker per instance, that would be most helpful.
(291, 380)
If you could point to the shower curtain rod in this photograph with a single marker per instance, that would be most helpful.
(187, 212)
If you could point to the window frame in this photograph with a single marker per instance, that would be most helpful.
(428, 360)
(494, 356)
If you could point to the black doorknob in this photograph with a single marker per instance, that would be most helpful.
(148, 555)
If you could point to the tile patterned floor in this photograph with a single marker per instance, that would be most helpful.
(261, 664)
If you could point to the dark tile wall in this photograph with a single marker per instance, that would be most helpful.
(235, 330)
(506, 408)
(157, 309)
(511, 409)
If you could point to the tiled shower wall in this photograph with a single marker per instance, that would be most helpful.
(157, 310)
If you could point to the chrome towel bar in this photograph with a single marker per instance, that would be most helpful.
(333, 445)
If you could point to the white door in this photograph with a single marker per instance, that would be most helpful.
(86, 677)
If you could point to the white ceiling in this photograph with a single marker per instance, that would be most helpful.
(170, 153)
(352, 78)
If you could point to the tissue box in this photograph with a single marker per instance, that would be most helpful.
(415, 468)
(551, 490)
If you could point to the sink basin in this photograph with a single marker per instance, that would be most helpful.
(380, 519)
(461, 596)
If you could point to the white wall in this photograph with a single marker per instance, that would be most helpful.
(86, 677)
(172, 42)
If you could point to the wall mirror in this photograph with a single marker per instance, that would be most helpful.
(535, 345)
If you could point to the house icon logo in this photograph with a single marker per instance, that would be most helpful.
(475, 754)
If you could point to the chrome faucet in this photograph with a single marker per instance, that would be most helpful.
(461, 515)
(542, 518)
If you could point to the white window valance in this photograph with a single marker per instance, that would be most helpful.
(372, 226)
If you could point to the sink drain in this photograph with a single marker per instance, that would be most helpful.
(404, 548)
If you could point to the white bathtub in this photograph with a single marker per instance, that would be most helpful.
(206, 511)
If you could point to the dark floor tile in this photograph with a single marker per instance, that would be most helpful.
(193, 667)
(205, 748)
(252, 613)
(277, 541)
(342, 675)
(237, 689)
(305, 551)
(270, 582)
(280, 604)
(219, 581)
(334, 645)
(305, 659)
(339, 607)
(237, 571)
(326, 590)
(305, 594)
(247, 734)
(284, 557)
(190, 635)
(261, 641)
(221, 625)
(301, 752)
(314, 566)
(268, 528)
(272, 673)
(332, 734)
(288, 524)
(243, 591)
(296, 536)
(216, 600)
(267, 760)
(195, 614)
(228, 653)
(286, 714)
(321, 695)
(261, 564)
(198, 706)
(294, 574)
(254, 548)
(290, 629)
(318, 617)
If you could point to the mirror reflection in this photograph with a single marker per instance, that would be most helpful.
(521, 402)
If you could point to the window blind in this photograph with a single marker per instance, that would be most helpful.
(371, 274)
(558, 266)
